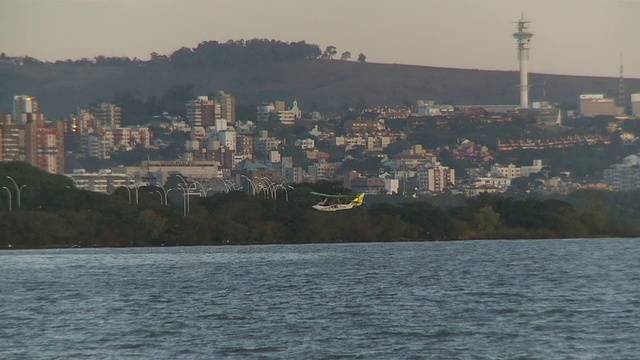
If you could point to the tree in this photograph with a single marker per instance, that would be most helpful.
(362, 58)
(345, 56)
(174, 99)
(487, 219)
(329, 52)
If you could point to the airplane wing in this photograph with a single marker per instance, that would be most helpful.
(329, 195)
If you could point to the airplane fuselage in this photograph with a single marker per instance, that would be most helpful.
(333, 207)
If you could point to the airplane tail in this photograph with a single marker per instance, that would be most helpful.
(358, 200)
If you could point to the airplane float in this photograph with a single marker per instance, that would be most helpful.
(337, 202)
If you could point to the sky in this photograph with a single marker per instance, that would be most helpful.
(571, 37)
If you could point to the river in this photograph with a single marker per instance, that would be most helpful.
(542, 299)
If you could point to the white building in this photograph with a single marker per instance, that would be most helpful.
(305, 144)
(435, 178)
(510, 171)
(625, 176)
(635, 105)
(228, 138)
(391, 186)
(287, 117)
(429, 108)
(103, 181)
(533, 169)
(500, 183)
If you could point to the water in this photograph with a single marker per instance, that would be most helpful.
(569, 299)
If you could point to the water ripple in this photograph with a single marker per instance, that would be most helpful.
(569, 299)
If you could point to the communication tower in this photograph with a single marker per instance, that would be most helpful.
(622, 97)
(523, 38)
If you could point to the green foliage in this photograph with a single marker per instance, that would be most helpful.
(487, 219)
(55, 214)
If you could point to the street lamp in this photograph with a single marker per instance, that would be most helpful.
(75, 182)
(8, 192)
(207, 193)
(164, 191)
(128, 191)
(159, 193)
(263, 186)
(203, 192)
(185, 200)
(134, 185)
(186, 193)
(226, 185)
(18, 189)
(286, 192)
(253, 185)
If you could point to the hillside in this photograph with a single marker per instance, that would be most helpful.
(317, 83)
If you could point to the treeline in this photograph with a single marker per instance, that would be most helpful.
(138, 111)
(54, 214)
(206, 54)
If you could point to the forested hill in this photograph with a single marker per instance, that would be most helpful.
(264, 70)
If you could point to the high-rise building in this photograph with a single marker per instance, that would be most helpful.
(48, 149)
(25, 108)
(227, 106)
(436, 178)
(244, 146)
(109, 116)
(12, 142)
(202, 111)
(38, 143)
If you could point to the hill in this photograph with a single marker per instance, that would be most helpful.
(318, 84)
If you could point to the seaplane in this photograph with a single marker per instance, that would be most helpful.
(337, 202)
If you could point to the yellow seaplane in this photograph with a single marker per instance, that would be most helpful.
(337, 202)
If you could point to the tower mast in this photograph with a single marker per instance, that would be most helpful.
(621, 90)
(523, 38)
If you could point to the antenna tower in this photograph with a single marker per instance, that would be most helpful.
(523, 38)
(621, 89)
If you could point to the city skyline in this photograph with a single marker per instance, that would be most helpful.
(571, 37)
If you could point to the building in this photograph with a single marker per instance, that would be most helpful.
(36, 142)
(202, 111)
(635, 105)
(104, 181)
(430, 108)
(323, 171)
(264, 111)
(244, 146)
(597, 105)
(45, 146)
(109, 116)
(305, 144)
(510, 171)
(368, 185)
(228, 138)
(625, 176)
(193, 170)
(263, 144)
(436, 178)
(25, 108)
(227, 106)
(535, 168)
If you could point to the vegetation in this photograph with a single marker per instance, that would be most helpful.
(259, 70)
(55, 214)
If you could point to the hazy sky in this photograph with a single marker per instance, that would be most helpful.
(576, 37)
